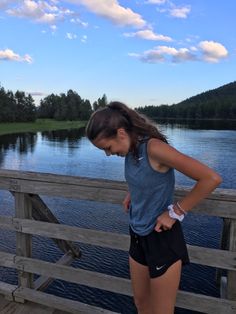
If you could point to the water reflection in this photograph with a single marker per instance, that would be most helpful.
(199, 124)
(24, 143)
(70, 136)
(21, 142)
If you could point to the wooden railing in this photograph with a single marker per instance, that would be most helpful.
(26, 188)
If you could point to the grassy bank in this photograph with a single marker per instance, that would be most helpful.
(39, 125)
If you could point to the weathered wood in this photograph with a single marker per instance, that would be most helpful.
(185, 300)
(23, 209)
(41, 212)
(7, 290)
(205, 304)
(9, 307)
(220, 203)
(200, 255)
(71, 306)
(224, 245)
(43, 282)
(75, 275)
(231, 280)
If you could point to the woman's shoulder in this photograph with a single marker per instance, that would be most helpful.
(155, 144)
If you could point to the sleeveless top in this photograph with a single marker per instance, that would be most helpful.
(151, 191)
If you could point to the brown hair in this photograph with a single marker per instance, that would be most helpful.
(106, 121)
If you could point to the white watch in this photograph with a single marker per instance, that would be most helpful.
(173, 214)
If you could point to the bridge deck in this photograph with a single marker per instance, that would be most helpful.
(10, 307)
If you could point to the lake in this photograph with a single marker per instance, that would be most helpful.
(68, 152)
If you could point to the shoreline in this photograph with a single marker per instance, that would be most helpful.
(38, 126)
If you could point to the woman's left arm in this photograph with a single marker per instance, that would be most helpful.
(207, 179)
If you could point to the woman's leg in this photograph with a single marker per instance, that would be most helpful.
(164, 290)
(141, 286)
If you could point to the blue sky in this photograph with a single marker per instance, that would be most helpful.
(141, 52)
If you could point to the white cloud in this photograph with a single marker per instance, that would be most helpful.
(206, 51)
(148, 35)
(165, 53)
(213, 51)
(10, 55)
(156, 1)
(53, 28)
(39, 11)
(113, 11)
(180, 12)
(79, 22)
(71, 36)
(84, 39)
(35, 94)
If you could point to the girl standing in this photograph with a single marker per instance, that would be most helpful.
(157, 246)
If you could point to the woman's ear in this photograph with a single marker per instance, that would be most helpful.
(121, 132)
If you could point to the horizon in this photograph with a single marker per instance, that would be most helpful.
(149, 52)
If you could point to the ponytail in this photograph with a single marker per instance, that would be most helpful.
(105, 122)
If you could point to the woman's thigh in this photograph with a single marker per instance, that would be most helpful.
(140, 280)
(164, 290)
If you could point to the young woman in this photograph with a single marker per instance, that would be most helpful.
(157, 247)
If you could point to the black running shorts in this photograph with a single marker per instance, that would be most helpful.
(159, 250)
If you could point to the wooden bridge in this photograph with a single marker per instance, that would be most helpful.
(32, 217)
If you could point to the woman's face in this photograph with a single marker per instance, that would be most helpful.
(118, 145)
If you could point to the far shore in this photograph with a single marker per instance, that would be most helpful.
(39, 125)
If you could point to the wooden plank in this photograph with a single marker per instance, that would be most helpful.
(7, 290)
(11, 307)
(23, 209)
(231, 280)
(199, 255)
(219, 194)
(43, 282)
(219, 203)
(205, 304)
(186, 300)
(7, 260)
(74, 307)
(224, 245)
(41, 212)
(75, 275)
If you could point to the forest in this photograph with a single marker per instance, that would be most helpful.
(16, 107)
(19, 107)
(219, 103)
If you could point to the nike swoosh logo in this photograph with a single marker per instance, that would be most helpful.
(160, 267)
(140, 158)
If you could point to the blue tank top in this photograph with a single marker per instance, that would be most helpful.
(151, 191)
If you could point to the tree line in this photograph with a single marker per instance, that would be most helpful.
(69, 106)
(16, 107)
(218, 103)
(19, 107)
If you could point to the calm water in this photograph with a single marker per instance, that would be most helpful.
(69, 152)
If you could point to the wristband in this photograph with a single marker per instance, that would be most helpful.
(173, 214)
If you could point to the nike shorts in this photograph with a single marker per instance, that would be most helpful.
(159, 250)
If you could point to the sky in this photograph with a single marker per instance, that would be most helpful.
(140, 52)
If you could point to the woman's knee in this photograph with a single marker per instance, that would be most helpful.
(142, 303)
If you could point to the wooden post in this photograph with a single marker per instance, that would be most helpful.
(231, 282)
(23, 209)
(224, 245)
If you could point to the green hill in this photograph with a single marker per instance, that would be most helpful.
(218, 103)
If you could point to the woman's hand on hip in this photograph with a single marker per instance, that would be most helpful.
(126, 202)
(164, 222)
